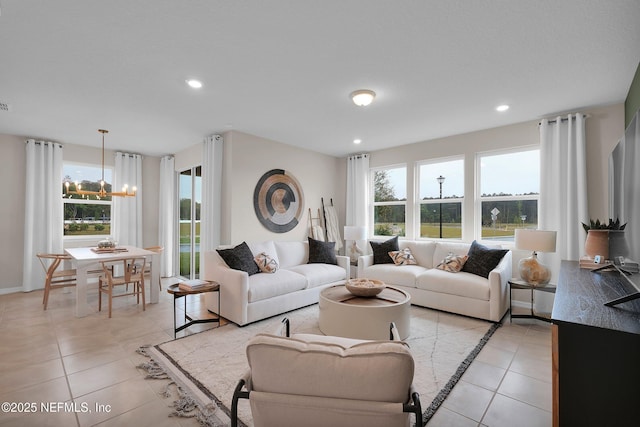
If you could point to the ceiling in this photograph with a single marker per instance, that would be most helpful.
(283, 70)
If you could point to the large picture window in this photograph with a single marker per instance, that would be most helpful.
(86, 215)
(441, 193)
(509, 192)
(389, 201)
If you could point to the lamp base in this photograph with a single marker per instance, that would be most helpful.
(533, 272)
(355, 252)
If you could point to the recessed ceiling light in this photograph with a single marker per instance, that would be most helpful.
(503, 107)
(362, 97)
(357, 141)
(196, 84)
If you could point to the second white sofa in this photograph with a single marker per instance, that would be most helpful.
(462, 292)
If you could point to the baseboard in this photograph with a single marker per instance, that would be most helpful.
(4, 291)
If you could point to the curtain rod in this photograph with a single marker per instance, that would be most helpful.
(564, 119)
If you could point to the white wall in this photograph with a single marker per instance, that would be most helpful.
(12, 175)
(247, 158)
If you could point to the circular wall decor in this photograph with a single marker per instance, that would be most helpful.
(278, 201)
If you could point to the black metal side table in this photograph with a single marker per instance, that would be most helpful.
(181, 293)
(521, 284)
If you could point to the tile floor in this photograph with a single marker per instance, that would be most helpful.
(90, 363)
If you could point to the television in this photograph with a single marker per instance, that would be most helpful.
(624, 192)
(624, 198)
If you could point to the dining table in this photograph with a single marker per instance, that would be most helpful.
(85, 259)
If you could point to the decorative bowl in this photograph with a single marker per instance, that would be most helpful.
(106, 244)
(365, 287)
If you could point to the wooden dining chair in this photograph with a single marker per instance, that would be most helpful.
(147, 269)
(132, 270)
(55, 276)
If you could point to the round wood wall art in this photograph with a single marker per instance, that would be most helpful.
(278, 201)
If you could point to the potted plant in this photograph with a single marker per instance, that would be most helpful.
(598, 234)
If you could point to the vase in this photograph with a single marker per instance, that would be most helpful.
(597, 243)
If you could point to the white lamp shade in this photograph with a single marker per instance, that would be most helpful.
(535, 240)
(353, 232)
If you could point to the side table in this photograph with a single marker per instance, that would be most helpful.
(521, 284)
(181, 293)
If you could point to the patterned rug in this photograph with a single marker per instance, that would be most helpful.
(208, 365)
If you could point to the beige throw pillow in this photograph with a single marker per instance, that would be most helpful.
(266, 264)
(403, 257)
(453, 263)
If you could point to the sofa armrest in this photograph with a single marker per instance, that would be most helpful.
(234, 288)
(364, 261)
(344, 262)
(499, 287)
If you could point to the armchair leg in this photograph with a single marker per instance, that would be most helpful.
(237, 394)
(414, 407)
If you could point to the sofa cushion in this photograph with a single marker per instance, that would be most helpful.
(422, 251)
(264, 285)
(320, 274)
(240, 258)
(322, 252)
(339, 370)
(381, 250)
(460, 284)
(292, 253)
(482, 259)
(403, 257)
(392, 274)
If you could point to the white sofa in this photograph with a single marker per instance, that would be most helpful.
(461, 293)
(245, 299)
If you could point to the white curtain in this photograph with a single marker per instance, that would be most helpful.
(43, 209)
(167, 215)
(563, 182)
(357, 209)
(211, 212)
(127, 211)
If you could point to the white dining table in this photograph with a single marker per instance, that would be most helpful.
(85, 259)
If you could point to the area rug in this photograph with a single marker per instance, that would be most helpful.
(209, 364)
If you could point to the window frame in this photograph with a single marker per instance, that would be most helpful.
(478, 190)
(374, 204)
(66, 201)
(419, 201)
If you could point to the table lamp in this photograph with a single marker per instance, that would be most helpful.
(354, 233)
(531, 271)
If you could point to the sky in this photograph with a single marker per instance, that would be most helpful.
(510, 173)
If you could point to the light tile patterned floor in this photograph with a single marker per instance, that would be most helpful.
(52, 356)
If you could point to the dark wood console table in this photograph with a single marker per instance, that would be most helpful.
(595, 350)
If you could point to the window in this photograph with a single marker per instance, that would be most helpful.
(86, 215)
(389, 201)
(441, 193)
(190, 190)
(509, 192)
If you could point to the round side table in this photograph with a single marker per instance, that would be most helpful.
(182, 293)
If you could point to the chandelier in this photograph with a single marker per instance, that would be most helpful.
(102, 193)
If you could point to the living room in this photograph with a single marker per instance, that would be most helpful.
(249, 153)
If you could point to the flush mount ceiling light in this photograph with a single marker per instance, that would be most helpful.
(196, 84)
(362, 97)
(502, 108)
(357, 141)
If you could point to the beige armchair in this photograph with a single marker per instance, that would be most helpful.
(315, 380)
